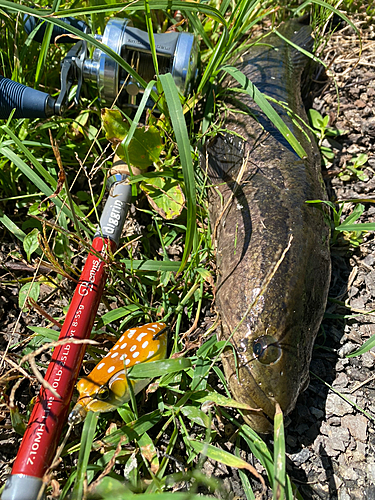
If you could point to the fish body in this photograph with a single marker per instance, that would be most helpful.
(270, 315)
(106, 387)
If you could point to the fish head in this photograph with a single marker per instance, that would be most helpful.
(269, 362)
(107, 386)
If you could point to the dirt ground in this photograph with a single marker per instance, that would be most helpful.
(330, 440)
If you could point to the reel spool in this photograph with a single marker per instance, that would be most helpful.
(177, 54)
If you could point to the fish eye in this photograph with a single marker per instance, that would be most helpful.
(267, 349)
(102, 394)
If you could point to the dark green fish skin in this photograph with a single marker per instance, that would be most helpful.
(274, 342)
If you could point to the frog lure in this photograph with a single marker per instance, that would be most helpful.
(106, 387)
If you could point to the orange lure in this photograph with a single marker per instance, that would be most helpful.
(106, 387)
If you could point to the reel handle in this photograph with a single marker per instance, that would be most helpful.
(29, 103)
(30, 23)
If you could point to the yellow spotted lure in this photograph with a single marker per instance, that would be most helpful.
(106, 387)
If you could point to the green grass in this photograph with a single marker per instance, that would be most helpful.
(160, 447)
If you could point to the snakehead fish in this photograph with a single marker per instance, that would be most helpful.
(257, 203)
(106, 387)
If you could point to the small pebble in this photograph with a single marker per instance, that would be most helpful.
(317, 413)
(335, 405)
(300, 457)
(346, 349)
(357, 426)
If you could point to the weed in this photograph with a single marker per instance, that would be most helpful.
(323, 131)
(353, 168)
(351, 230)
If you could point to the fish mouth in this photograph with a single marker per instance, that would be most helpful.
(246, 390)
(258, 421)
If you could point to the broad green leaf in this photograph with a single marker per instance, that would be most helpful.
(154, 369)
(165, 196)
(30, 290)
(115, 125)
(145, 145)
(149, 452)
(81, 127)
(360, 160)
(17, 422)
(196, 415)
(316, 118)
(112, 489)
(31, 242)
(144, 148)
(126, 413)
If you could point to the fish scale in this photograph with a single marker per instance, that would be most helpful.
(272, 340)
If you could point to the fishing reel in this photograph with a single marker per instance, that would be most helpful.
(177, 53)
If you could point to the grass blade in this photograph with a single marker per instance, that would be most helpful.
(243, 10)
(369, 344)
(329, 7)
(38, 182)
(133, 126)
(12, 227)
(244, 479)
(22, 147)
(139, 5)
(183, 143)
(154, 369)
(151, 38)
(279, 456)
(213, 63)
(366, 226)
(249, 88)
(87, 438)
(224, 457)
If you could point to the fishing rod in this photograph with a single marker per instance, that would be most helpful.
(50, 412)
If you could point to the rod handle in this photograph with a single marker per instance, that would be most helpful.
(30, 22)
(29, 102)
